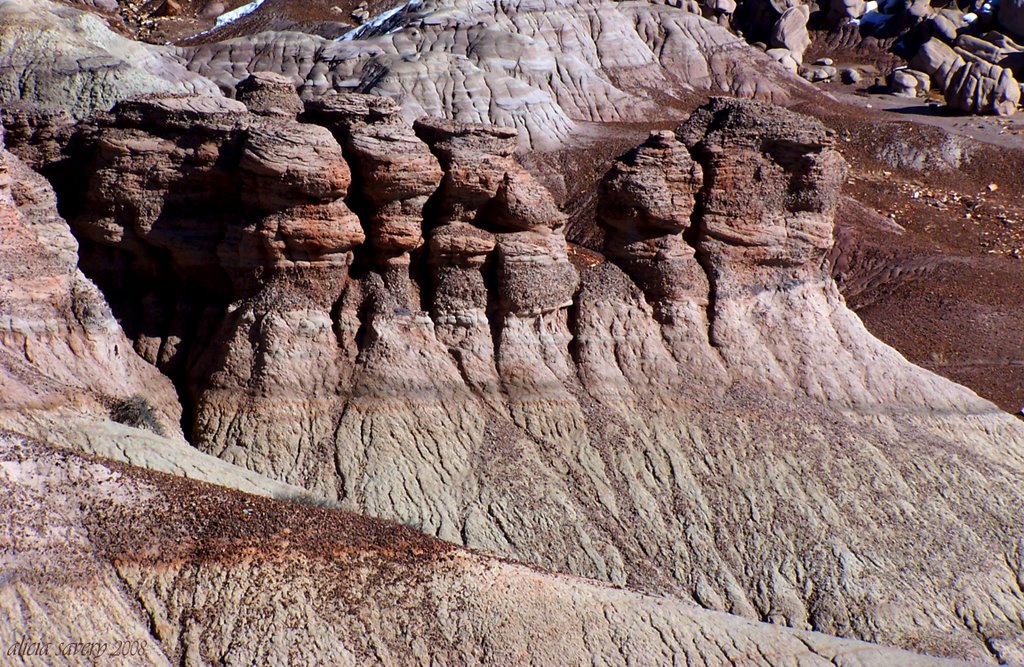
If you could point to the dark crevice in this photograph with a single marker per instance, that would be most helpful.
(572, 323)
(148, 301)
(693, 235)
(495, 311)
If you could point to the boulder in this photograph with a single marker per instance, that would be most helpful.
(945, 25)
(786, 58)
(909, 83)
(269, 94)
(937, 60)
(790, 31)
(979, 87)
(818, 73)
(903, 84)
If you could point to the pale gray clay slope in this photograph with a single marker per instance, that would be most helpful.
(98, 556)
(395, 322)
(70, 59)
(544, 68)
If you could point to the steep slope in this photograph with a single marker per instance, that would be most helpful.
(108, 563)
(697, 414)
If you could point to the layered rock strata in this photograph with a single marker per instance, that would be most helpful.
(656, 419)
(68, 373)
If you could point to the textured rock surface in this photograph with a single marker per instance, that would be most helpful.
(269, 94)
(396, 171)
(65, 58)
(976, 73)
(656, 419)
(390, 317)
(65, 363)
(790, 31)
(646, 204)
(980, 87)
(273, 241)
(483, 61)
(188, 573)
(60, 344)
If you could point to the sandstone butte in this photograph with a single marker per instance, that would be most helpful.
(496, 333)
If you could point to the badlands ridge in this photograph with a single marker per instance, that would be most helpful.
(491, 334)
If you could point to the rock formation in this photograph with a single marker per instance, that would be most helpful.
(68, 373)
(338, 299)
(442, 362)
(60, 342)
(485, 62)
(269, 94)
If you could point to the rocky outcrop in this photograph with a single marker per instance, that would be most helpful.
(396, 172)
(273, 189)
(68, 373)
(790, 31)
(476, 383)
(969, 82)
(773, 181)
(269, 94)
(247, 214)
(60, 345)
(646, 204)
(981, 87)
(389, 316)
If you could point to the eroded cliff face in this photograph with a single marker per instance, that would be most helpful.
(390, 316)
(68, 372)
(61, 346)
